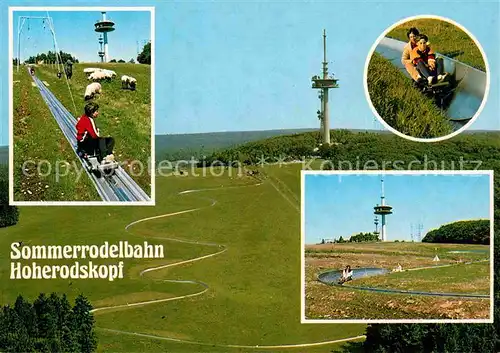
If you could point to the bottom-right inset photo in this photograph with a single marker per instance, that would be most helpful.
(397, 246)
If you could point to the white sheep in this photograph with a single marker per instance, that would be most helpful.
(91, 90)
(128, 82)
(95, 76)
(99, 75)
(89, 70)
(109, 72)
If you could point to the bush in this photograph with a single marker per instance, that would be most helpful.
(462, 232)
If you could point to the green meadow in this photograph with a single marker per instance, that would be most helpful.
(124, 114)
(32, 120)
(253, 295)
(401, 105)
(456, 275)
(466, 279)
(444, 38)
(246, 290)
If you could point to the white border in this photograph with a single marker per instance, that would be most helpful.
(418, 139)
(304, 320)
(151, 10)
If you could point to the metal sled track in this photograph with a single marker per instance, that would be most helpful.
(118, 187)
(471, 82)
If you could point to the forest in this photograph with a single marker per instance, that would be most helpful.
(49, 324)
(462, 232)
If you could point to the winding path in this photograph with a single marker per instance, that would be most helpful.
(222, 248)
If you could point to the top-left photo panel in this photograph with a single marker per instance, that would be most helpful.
(81, 93)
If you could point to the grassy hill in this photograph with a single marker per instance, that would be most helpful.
(445, 38)
(253, 282)
(372, 151)
(240, 236)
(402, 106)
(124, 114)
(185, 146)
(32, 120)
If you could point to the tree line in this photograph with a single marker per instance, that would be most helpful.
(50, 57)
(9, 215)
(462, 232)
(367, 150)
(438, 338)
(121, 61)
(358, 238)
(49, 324)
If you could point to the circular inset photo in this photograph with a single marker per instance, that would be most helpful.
(426, 78)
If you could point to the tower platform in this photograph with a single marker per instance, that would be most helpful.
(382, 210)
(104, 26)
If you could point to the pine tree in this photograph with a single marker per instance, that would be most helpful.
(27, 315)
(14, 336)
(68, 336)
(83, 325)
(47, 320)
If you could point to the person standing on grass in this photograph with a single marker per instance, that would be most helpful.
(68, 69)
(424, 58)
(88, 139)
(412, 35)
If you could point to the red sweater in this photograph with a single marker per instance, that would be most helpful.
(84, 127)
(425, 56)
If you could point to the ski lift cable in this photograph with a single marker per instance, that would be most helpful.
(51, 25)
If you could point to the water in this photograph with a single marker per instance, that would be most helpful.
(332, 277)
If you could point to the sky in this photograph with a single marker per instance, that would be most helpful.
(247, 65)
(75, 34)
(337, 206)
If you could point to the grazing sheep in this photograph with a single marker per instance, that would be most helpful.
(91, 90)
(94, 76)
(99, 75)
(109, 72)
(128, 82)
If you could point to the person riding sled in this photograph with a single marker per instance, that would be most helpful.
(346, 275)
(412, 35)
(424, 59)
(87, 135)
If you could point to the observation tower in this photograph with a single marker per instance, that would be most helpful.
(383, 210)
(324, 84)
(104, 26)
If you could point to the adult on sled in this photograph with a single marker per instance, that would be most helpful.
(424, 58)
(412, 35)
(88, 139)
